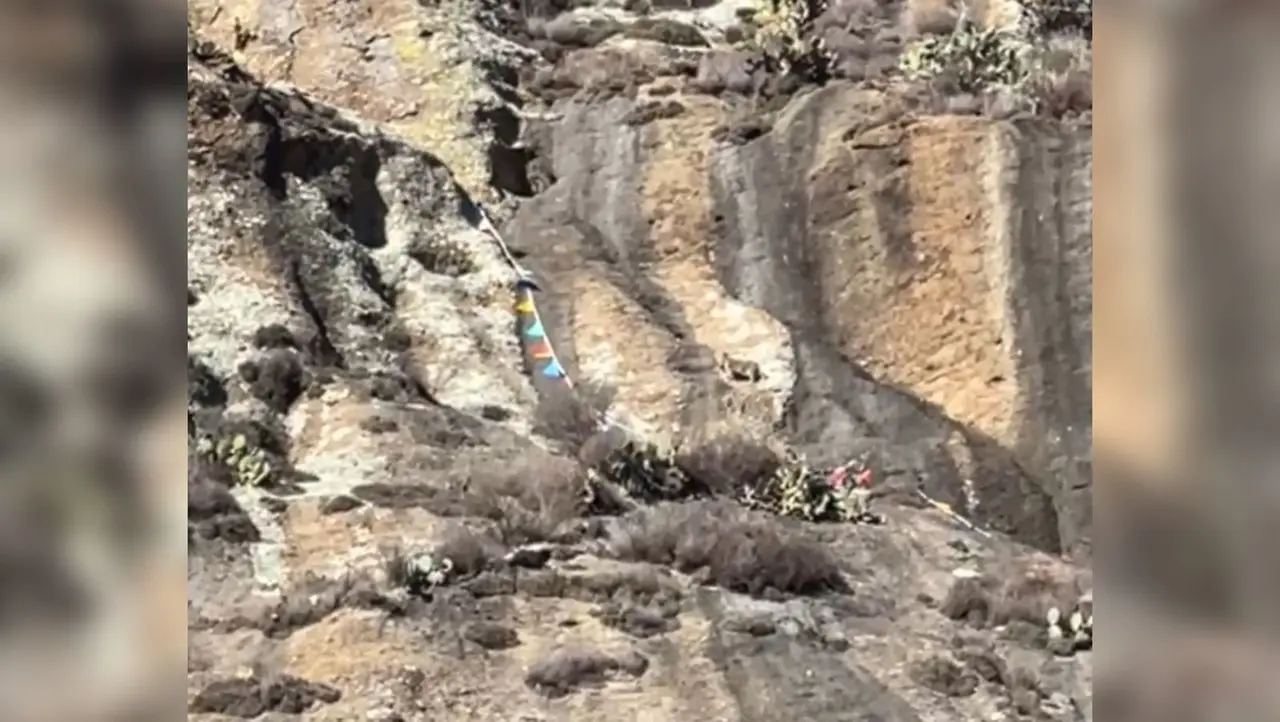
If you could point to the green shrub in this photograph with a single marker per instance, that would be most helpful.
(783, 39)
(1045, 17)
(802, 492)
(971, 59)
(647, 473)
(1044, 66)
(249, 464)
(443, 255)
(732, 466)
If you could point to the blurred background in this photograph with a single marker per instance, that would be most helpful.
(1187, 360)
(1187, 365)
(91, 458)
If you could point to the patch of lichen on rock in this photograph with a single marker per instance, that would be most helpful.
(406, 65)
(450, 84)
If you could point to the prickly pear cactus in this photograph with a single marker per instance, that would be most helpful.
(420, 573)
(1056, 16)
(783, 37)
(1071, 631)
(646, 472)
(803, 492)
(248, 463)
(972, 58)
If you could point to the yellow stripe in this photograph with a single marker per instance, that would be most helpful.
(524, 306)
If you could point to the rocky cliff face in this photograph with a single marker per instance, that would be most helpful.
(920, 285)
(828, 268)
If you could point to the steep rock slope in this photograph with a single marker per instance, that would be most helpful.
(925, 286)
(348, 319)
(948, 258)
(918, 285)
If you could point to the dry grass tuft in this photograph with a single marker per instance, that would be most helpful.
(469, 551)
(1023, 596)
(570, 668)
(930, 17)
(729, 462)
(739, 550)
(573, 419)
(532, 499)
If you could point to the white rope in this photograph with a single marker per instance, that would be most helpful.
(487, 227)
(946, 509)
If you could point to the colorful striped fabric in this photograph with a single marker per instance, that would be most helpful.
(533, 332)
(534, 335)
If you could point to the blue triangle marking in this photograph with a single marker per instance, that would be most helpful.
(553, 370)
(535, 330)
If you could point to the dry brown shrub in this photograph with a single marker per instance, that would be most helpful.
(740, 550)
(728, 462)
(930, 17)
(532, 498)
(573, 418)
(569, 668)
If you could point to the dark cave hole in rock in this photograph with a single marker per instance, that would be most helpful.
(356, 201)
(508, 159)
(345, 171)
(509, 170)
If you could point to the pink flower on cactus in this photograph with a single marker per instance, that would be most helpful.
(864, 478)
(838, 477)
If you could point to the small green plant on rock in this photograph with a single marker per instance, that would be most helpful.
(781, 35)
(646, 472)
(972, 59)
(1042, 64)
(424, 572)
(802, 492)
(778, 28)
(443, 255)
(417, 574)
(1074, 631)
(1057, 16)
(248, 464)
(788, 492)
